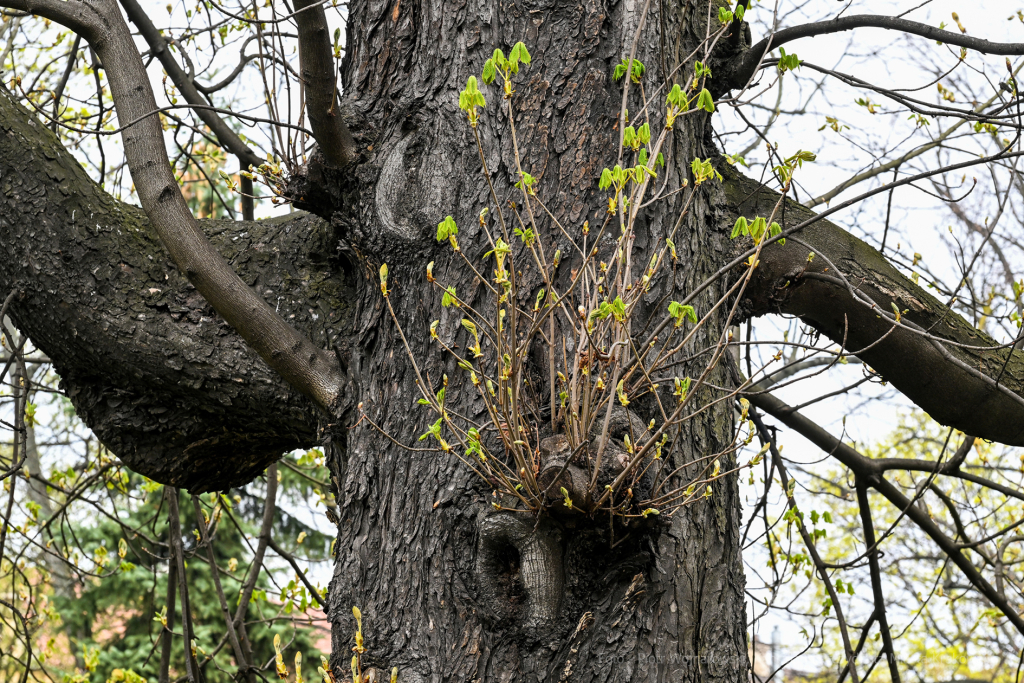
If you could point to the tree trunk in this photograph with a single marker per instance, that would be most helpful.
(450, 589)
(178, 396)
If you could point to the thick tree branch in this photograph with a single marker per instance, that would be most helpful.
(743, 67)
(81, 17)
(311, 370)
(847, 290)
(152, 369)
(320, 84)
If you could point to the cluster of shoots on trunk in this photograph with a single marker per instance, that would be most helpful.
(271, 175)
(583, 314)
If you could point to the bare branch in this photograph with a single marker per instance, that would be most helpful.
(742, 68)
(866, 470)
(227, 138)
(178, 557)
(876, 579)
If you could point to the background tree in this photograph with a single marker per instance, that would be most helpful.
(159, 362)
(88, 555)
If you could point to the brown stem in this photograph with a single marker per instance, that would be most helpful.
(244, 664)
(178, 554)
(257, 561)
(64, 81)
(167, 637)
(17, 457)
(288, 557)
(876, 579)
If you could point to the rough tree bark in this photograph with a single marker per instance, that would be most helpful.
(451, 590)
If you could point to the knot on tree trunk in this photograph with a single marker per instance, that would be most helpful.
(567, 475)
(519, 570)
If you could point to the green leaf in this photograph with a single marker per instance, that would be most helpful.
(740, 228)
(446, 228)
(606, 179)
(733, 159)
(448, 299)
(603, 310)
(788, 62)
(705, 101)
(527, 180)
(682, 312)
(490, 72)
(519, 54)
(676, 98)
(638, 70)
(618, 309)
(526, 235)
(629, 137)
(757, 228)
(471, 97)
